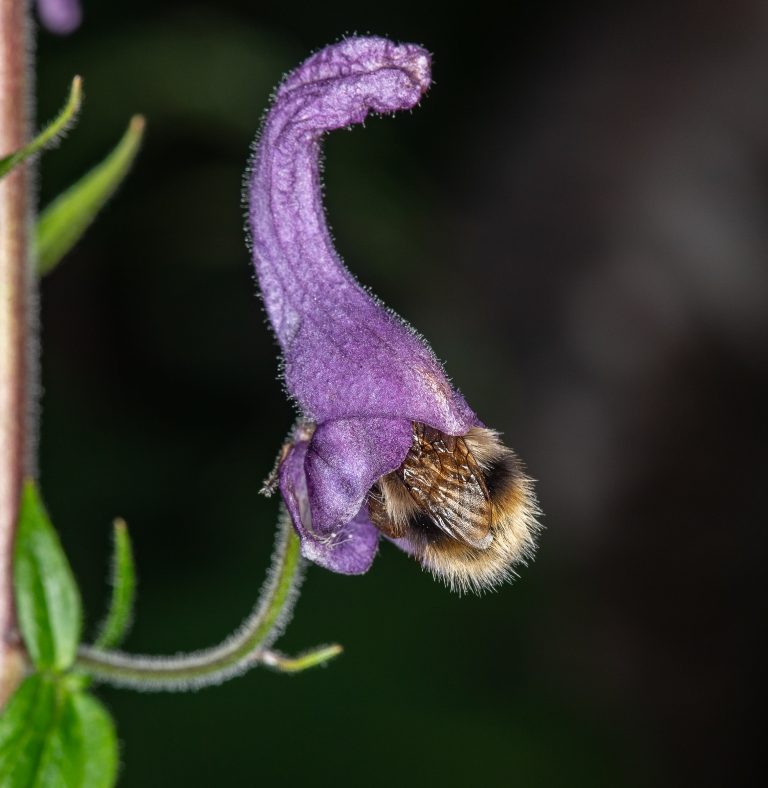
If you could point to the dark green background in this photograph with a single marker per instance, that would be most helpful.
(540, 220)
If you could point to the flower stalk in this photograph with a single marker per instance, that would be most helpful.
(246, 649)
(17, 316)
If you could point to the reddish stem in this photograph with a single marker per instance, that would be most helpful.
(16, 299)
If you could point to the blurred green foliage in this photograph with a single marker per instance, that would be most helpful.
(52, 732)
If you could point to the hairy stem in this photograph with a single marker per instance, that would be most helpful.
(245, 649)
(17, 316)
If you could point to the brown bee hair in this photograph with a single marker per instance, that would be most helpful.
(462, 506)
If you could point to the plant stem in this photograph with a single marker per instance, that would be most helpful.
(17, 301)
(245, 649)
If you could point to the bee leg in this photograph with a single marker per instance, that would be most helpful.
(269, 485)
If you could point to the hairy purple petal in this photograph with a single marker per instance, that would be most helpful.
(346, 355)
(60, 16)
(355, 369)
(344, 460)
(351, 549)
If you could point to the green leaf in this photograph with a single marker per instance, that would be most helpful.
(51, 134)
(24, 728)
(100, 752)
(81, 748)
(120, 611)
(64, 221)
(52, 735)
(47, 599)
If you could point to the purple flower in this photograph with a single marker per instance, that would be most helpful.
(384, 444)
(60, 16)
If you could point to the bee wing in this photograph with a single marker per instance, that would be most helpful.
(444, 479)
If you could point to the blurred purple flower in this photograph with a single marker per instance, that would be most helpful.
(363, 380)
(60, 16)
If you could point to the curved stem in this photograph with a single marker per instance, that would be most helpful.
(245, 649)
